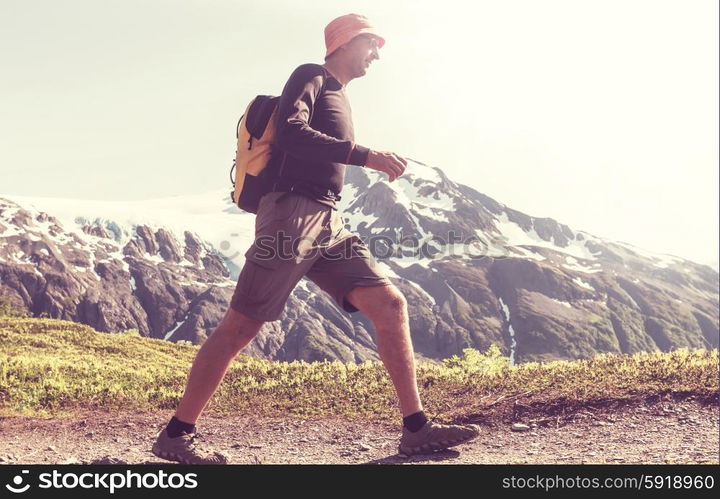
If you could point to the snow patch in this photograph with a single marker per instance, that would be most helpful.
(9, 212)
(583, 284)
(428, 212)
(406, 195)
(91, 264)
(348, 196)
(661, 260)
(357, 217)
(18, 257)
(153, 258)
(419, 171)
(513, 343)
(10, 230)
(496, 247)
(303, 284)
(529, 254)
(515, 235)
(437, 199)
(169, 334)
(118, 255)
(573, 264)
(563, 303)
(407, 261)
(224, 284)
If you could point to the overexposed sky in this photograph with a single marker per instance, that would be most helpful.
(600, 114)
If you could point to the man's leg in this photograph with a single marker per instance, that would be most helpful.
(348, 264)
(386, 307)
(177, 441)
(233, 333)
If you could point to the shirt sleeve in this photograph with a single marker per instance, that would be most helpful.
(293, 132)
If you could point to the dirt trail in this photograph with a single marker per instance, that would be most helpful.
(667, 432)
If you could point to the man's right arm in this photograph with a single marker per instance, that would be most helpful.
(295, 136)
(293, 132)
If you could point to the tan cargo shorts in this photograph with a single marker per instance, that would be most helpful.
(296, 236)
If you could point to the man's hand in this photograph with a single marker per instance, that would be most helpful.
(387, 162)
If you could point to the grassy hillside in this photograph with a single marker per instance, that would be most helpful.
(51, 366)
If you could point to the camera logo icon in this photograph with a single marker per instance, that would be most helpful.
(17, 481)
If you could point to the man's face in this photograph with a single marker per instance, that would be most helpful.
(361, 51)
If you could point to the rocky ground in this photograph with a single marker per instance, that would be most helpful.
(664, 432)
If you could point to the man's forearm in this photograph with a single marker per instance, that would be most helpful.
(300, 140)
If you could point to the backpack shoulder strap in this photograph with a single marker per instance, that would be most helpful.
(326, 75)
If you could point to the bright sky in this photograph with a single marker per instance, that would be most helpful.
(600, 114)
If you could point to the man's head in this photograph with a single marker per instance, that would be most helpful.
(352, 43)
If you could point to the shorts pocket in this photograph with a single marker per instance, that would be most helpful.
(254, 286)
(276, 206)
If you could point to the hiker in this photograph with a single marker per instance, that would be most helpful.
(314, 134)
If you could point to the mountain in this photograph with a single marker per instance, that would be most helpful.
(474, 271)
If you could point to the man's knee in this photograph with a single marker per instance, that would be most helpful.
(241, 325)
(396, 302)
(379, 302)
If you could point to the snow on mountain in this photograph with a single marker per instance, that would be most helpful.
(214, 219)
(210, 215)
(423, 193)
(432, 202)
(474, 271)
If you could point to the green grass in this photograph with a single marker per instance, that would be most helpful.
(49, 367)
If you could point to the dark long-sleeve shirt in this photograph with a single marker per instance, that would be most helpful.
(315, 129)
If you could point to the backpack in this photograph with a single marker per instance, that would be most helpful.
(255, 134)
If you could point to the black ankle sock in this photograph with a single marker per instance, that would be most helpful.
(414, 422)
(175, 427)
